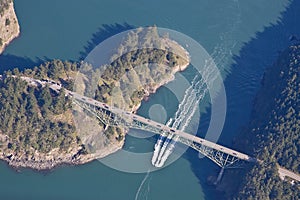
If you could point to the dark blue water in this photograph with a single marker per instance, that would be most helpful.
(246, 33)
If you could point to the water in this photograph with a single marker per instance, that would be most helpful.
(61, 29)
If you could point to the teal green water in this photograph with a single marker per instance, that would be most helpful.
(61, 29)
(95, 181)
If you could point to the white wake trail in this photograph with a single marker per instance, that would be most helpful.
(193, 95)
(143, 196)
(158, 148)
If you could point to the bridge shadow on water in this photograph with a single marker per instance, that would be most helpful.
(241, 87)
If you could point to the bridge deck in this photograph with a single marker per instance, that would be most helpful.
(55, 86)
(132, 116)
(284, 172)
(163, 127)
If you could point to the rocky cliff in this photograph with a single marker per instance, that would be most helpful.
(9, 26)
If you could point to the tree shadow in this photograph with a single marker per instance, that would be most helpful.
(9, 62)
(246, 72)
(104, 32)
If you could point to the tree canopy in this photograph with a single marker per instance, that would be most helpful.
(36, 118)
(273, 134)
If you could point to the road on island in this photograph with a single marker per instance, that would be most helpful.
(284, 172)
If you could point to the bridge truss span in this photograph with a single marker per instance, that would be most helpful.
(110, 116)
(220, 158)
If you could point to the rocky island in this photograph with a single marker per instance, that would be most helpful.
(38, 129)
(9, 26)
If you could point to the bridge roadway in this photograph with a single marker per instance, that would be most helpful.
(284, 172)
(163, 127)
(55, 86)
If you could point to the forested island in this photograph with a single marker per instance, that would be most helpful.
(272, 135)
(38, 130)
(9, 26)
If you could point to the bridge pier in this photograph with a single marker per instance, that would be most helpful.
(219, 176)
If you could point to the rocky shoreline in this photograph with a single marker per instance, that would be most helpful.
(151, 90)
(47, 162)
(9, 27)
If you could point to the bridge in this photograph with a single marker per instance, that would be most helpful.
(287, 173)
(112, 116)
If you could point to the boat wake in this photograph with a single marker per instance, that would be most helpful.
(186, 109)
(142, 192)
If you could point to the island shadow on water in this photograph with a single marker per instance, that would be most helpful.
(104, 32)
(255, 56)
(9, 62)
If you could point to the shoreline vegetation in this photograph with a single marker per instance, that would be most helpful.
(38, 129)
(272, 135)
(9, 26)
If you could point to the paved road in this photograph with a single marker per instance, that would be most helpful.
(284, 172)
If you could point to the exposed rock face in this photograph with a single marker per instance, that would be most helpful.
(9, 26)
(45, 161)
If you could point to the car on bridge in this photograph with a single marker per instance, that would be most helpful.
(105, 106)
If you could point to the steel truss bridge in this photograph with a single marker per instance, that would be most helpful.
(112, 116)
